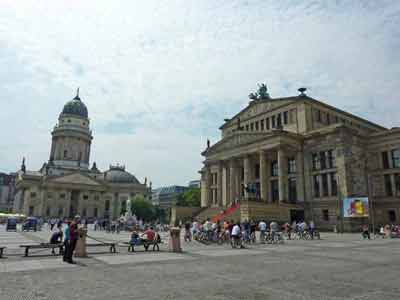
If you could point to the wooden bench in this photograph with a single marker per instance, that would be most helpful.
(1, 251)
(60, 246)
(111, 245)
(146, 244)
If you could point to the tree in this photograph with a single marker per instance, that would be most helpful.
(191, 197)
(142, 208)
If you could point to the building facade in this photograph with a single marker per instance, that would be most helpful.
(7, 190)
(304, 155)
(166, 196)
(66, 185)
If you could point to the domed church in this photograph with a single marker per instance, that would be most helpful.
(67, 185)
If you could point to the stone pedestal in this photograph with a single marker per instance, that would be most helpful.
(175, 240)
(80, 249)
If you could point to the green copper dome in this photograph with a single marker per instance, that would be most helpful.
(76, 107)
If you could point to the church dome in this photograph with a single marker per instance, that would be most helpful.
(117, 174)
(76, 107)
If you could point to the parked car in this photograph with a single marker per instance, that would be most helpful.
(30, 223)
(11, 224)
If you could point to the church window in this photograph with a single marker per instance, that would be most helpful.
(33, 194)
(292, 190)
(392, 216)
(267, 123)
(285, 117)
(96, 197)
(385, 160)
(251, 126)
(84, 212)
(48, 211)
(325, 214)
(316, 186)
(107, 205)
(85, 197)
(256, 124)
(322, 160)
(334, 185)
(247, 127)
(60, 211)
(257, 171)
(315, 161)
(275, 190)
(328, 118)
(65, 153)
(291, 165)
(262, 125)
(273, 121)
(62, 196)
(331, 159)
(325, 191)
(96, 212)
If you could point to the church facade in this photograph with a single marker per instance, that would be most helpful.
(298, 158)
(66, 185)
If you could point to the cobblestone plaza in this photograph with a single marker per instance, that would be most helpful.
(335, 267)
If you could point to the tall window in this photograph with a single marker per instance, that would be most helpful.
(107, 205)
(257, 171)
(331, 159)
(388, 185)
(60, 211)
(325, 190)
(274, 168)
(319, 116)
(397, 182)
(328, 118)
(392, 216)
(273, 122)
(65, 153)
(274, 190)
(396, 158)
(334, 185)
(325, 214)
(251, 126)
(262, 125)
(96, 212)
(256, 126)
(285, 117)
(247, 127)
(84, 212)
(316, 186)
(385, 160)
(316, 161)
(48, 211)
(292, 190)
(323, 160)
(267, 123)
(291, 165)
(279, 121)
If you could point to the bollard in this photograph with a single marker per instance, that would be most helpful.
(175, 240)
(80, 249)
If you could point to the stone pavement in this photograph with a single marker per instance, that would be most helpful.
(337, 267)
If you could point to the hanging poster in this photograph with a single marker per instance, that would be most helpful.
(355, 207)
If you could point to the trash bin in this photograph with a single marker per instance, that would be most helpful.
(175, 239)
(80, 249)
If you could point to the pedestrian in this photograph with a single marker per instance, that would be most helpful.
(66, 241)
(73, 238)
(365, 232)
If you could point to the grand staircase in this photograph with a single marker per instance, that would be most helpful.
(232, 212)
(208, 213)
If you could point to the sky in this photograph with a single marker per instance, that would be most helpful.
(159, 77)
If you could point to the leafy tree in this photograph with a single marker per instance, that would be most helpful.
(190, 197)
(142, 208)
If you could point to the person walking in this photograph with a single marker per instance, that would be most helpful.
(66, 241)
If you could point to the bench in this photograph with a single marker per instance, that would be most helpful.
(111, 245)
(60, 246)
(146, 244)
(1, 251)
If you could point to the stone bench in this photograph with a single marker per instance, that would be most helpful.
(111, 245)
(60, 246)
(146, 244)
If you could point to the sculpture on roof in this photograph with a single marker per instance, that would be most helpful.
(261, 94)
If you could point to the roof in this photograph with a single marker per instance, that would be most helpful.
(117, 174)
(304, 99)
(75, 107)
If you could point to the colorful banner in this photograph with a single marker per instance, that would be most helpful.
(355, 207)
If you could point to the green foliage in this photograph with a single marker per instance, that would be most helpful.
(144, 209)
(190, 197)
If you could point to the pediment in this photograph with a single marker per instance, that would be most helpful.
(236, 140)
(258, 107)
(75, 178)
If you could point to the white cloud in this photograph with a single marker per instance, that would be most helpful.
(171, 71)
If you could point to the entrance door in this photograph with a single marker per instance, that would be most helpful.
(73, 210)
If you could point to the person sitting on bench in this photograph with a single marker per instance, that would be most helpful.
(149, 234)
(135, 240)
(56, 237)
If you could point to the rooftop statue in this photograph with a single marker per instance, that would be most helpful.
(261, 94)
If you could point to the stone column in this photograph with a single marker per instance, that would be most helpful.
(219, 185)
(246, 179)
(282, 166)
(225, 186)
(263, 176)
(300, 176)
(232, 182)
(393, 183)
(205, 188)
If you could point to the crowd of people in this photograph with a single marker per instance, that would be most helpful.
(246, 231)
